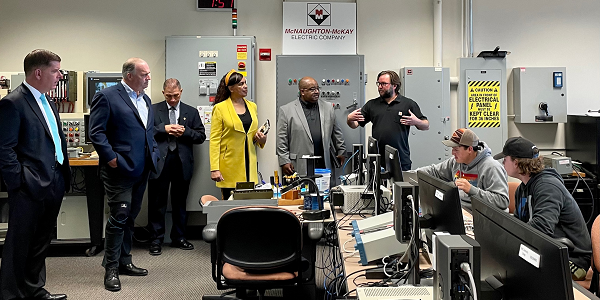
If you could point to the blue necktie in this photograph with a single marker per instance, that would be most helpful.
(53, 129)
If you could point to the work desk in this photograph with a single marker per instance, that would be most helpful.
(351, 263)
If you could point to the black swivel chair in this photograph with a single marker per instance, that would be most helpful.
(257, 248)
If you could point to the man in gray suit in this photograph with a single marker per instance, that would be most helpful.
(307, 126)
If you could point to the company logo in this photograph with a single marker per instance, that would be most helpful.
(318, 14)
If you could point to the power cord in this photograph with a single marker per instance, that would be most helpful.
(467, 268)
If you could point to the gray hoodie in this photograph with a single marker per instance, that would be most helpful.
(487, 177)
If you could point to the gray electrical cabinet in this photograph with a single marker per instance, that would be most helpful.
(199, 63)
(482, 99)
(430, 88)
(342, 82)
(540, 94)
(72, 222)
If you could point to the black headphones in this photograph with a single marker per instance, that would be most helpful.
(478, 147)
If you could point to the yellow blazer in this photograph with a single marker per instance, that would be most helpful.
(227, 139)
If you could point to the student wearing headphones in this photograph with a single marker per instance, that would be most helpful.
(542, 201)
(473, 170)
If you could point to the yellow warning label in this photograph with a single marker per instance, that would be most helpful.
(484, 103)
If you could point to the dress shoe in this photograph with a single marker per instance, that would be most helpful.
(111, 280)
(182, 244)
(53, 297)
(132, 270)
(155, 249)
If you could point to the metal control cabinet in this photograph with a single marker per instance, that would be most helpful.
(199, 63)
(430, 88)
(72, 222)
(74, 130)
(482, 99)
(342, 82)
(534, 86)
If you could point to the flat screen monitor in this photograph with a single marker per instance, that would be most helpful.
(528, 263)
(372, 146)
(86, 125)
(99, 81)
(392, 163)
(440, 206)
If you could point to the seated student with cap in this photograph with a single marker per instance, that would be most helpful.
(472, 169)
(542, 201)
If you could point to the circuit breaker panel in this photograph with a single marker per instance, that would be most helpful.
(341, 80)
(199, 63)
(430, 88)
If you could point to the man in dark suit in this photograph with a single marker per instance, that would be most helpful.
(35, 168)
(177, 127)
(122, 131)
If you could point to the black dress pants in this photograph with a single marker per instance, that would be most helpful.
(158, 193)
(125, 201)
(30, 230)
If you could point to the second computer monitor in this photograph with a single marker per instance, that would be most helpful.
(528, 263)
(440, 206)
(392, 163)
(372, 146)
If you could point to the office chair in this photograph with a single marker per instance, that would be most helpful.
(257, 248)
(595, 283)
(512, 188)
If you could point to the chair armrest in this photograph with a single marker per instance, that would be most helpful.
(315, 230)
(567, 242)
(209, 233)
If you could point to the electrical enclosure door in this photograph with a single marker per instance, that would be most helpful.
(482, 99)
(199, 63)
(430, 88)
(342, 82)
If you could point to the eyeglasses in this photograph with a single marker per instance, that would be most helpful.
(312, 89)
(382, 84)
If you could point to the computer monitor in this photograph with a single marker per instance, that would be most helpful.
(372, 146)
(357, 162)
(528, 263)
(86, 125)
(440, 206)
(96, 82)
(392, 164)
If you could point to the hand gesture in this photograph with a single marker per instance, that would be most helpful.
(356, 115)
(410, 119)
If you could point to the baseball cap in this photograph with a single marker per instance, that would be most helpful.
(518, 147)
(464, 137)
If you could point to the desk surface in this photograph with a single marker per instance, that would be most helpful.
(351, 263)
(83, 161)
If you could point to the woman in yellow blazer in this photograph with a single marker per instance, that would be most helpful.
(233, 135)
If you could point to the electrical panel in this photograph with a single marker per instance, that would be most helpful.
(341, 80)
(482, 99)
(74, 130)
(199, 63)
(540, 94)
(430, 88)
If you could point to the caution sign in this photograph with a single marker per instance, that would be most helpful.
(484, 103)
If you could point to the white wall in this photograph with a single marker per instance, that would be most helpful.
(92, 35)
